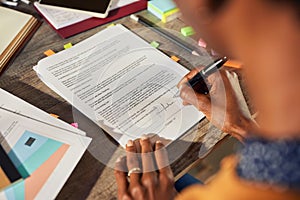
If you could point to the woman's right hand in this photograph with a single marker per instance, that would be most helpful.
(224, 106)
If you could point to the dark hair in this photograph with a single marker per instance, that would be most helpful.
(294, 4)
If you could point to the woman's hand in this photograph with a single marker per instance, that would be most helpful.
(224, 106)
(150, 176)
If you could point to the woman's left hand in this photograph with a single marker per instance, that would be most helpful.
(149, 174)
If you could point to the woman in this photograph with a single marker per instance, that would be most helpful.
(265, 36)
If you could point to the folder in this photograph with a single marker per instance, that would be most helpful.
(90, 23)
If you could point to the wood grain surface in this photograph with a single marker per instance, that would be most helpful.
(92, 179)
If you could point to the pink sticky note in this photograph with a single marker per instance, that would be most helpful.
(214, 53)
(202, 43)
(74, 125)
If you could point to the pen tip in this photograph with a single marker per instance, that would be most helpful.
(195, 53)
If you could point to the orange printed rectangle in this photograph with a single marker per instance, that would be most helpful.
(4, 181)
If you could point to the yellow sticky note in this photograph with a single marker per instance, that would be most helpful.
(54, 115)
(49, 52)
(112, 24)
(175, 58)
(67, 46)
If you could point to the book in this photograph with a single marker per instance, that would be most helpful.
(67, 24)
(44, 150)
(17, 28)
(122, 84)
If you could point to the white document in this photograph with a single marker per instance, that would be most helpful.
(61, 18)
(18, 117)
(18, 105)
(122, 84)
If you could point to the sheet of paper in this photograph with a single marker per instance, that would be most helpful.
(121, 83)
(18, 105)
(11, 23)
(62, 18)
(20, 132)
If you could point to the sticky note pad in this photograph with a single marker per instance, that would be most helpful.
(175, 58)
(49, 52)
(154, 44)
(67, 46)
(187, 31)
(165, 10)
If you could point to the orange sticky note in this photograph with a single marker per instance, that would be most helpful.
(54, 115)
(175, 58)
(49, 52)
(234, 64)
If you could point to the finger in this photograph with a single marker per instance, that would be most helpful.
(149, 177)
(137, 145)
(132, 162)
(121, 177)
(188, 76)
(147, 155)
(162, 160)
(185, 103)
(200, 101)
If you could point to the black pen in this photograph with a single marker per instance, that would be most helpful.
(198, 82)
(166, 34)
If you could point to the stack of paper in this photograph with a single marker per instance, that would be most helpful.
(43, 149)
(122, 84)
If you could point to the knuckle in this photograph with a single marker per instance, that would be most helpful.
(136, 191)
(167, 178)
(148, 182)
(125, 197)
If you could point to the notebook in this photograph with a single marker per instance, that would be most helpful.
(16, 29)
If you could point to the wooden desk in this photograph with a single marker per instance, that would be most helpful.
(91, 179)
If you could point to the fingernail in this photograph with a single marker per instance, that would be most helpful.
(118, 160)
(129, 143)
(144, 137)
(158, 142)
(180, 87)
